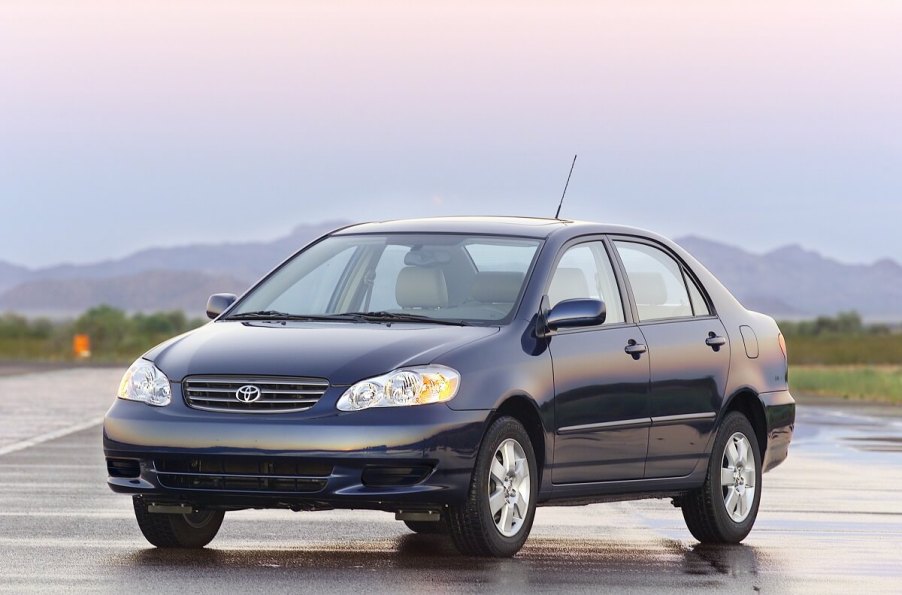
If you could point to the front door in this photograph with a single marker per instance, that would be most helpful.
(601, 390)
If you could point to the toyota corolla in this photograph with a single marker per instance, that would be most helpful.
(459, 373)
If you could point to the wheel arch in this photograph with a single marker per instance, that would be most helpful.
(525, 410)
(747, 402)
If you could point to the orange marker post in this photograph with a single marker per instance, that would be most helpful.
(81, 346)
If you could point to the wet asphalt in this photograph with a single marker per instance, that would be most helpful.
(830, 521)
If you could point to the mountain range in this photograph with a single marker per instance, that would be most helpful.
(789, 282)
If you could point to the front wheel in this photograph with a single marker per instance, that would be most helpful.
(497, 516)
(194, 530)
(724, 509)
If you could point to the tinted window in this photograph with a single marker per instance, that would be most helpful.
(585, 271)
(391, 261)
(656, 281)
(315, 289)
(500, 257)
(443, 276)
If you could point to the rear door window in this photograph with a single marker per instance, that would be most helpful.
(657, 281)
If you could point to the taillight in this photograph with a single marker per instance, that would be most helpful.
(782, 343)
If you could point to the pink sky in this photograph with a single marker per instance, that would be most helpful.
(107, 103)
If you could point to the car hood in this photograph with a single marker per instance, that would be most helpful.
(341, 352)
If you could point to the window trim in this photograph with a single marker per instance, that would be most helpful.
(687, 279)
(628, 318)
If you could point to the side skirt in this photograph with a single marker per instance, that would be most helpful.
(617, 491)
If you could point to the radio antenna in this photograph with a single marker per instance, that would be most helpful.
(564, 193)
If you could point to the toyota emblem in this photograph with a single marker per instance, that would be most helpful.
(247, 393)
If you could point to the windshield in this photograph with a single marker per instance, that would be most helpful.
(441, 277)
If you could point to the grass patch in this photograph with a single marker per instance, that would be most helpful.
(882, 384)
(839, 350)
(116, 337)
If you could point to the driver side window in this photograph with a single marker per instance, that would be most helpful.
(584, 271)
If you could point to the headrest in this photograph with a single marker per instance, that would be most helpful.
(419, 287)
(496, 287)
(649, 288)
(424, 258)
(567, 284)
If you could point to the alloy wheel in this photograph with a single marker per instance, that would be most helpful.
(509, 487)
(737, 477)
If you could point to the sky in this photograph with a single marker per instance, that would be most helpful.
(125, 125)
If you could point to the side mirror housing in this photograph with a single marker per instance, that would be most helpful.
(576, 313)
(218, 302)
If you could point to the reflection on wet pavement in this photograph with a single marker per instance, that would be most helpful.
(830, 521)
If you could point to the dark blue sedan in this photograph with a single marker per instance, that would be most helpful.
(459, 372)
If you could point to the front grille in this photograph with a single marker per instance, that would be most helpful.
(241, 474)
(276, 394)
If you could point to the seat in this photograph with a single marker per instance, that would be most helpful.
(648, 289)
(421, 287)
(650, 292)
(567, 284)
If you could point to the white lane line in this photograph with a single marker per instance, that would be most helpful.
(96, 421)
(17, 486)
(101, 514)
(384, 544)
(27, 466)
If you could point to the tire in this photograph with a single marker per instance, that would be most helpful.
(177, 530)
(724, 509)
(428, 527)
(505, 454)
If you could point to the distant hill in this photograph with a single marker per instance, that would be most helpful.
(180, 277)
(247, 260)
(11, 274)
(794, 282)
(148, 291)
(790, 282)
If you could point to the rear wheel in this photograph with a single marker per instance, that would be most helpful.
(497, 516)
(724, 509)
(194, 530)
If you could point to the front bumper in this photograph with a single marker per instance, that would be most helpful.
(387, 459)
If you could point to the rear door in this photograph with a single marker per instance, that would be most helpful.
(688, 351)
(601, 390)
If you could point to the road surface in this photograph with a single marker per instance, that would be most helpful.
(830, 521)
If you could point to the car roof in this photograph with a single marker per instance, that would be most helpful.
(533, 227)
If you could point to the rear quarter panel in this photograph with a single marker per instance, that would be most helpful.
(767, 372)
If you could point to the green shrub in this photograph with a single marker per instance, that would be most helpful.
(115, 336)
(883, 384)
(841, 340)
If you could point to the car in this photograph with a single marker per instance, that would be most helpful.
(459, 372)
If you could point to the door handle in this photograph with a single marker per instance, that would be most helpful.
(635, 349)
(714, 341)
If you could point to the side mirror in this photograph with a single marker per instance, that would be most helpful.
(218, 302)
(576, 313)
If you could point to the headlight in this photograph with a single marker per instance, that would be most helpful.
(144, 382)
(407, 386)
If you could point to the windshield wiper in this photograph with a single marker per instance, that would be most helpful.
(383, 316)
(276, 315)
